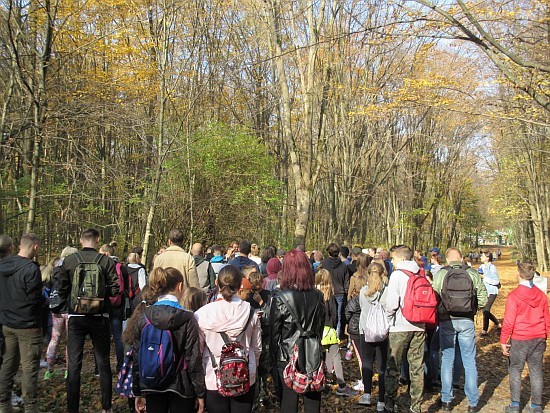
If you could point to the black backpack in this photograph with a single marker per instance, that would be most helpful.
(458, 295)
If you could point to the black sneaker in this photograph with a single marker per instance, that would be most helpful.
(445, 406)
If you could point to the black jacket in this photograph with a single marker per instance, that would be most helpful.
(21, 299)
(190, 381)
(308, 306)
(331, 312)
(65, 275)
(340, 274)
(353, 312)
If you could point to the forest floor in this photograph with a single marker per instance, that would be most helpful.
(492, 371)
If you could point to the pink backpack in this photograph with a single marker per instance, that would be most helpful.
(420, 302)
(117, 300)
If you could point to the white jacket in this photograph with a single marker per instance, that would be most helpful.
(229, 317)
(395, 298)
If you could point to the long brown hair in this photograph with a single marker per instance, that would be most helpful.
(363, 261)
(377, 278)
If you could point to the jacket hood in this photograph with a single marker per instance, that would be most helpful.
(198, 260)
(222, 316)
(10, 265)
(273, 267)
(216, 258)
(332, 262)
(166, 317)
(411, 266)
(529, 296)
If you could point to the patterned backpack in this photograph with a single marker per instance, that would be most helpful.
(232, 374)
(125, 381)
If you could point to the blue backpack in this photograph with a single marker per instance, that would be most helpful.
(159, 361)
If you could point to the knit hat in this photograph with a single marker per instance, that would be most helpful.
(273, 267)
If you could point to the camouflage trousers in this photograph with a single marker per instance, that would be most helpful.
(410, 343)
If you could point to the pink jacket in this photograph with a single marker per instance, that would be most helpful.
(230, 317)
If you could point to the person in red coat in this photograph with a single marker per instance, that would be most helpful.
(523, 337)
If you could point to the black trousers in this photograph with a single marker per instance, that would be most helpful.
(169, 402)
(289, 403)
(216, 403)
(99, 330)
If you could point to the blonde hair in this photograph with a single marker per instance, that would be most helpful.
(133, 258)
(323, 282)
(68, 251)
(193, 298)
(377, 278)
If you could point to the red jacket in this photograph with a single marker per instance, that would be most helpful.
(526, 315)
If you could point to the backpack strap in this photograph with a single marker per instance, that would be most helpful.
(241, 334)
(408, 273)
(295, 317)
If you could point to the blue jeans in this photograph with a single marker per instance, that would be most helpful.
(116, 329)
(432, 361)
(341, 302)
(459, 330)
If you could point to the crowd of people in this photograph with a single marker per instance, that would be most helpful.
(227, 329)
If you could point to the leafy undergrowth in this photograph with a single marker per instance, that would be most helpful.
(492, 368)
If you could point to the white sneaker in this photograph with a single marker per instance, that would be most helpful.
(358, 386)
(16, 401)
(380, 406)
(43, 364)
(364, 400)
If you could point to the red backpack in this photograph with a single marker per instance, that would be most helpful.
(420, 302)
(117, 300)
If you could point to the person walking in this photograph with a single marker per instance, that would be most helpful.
(492, 284)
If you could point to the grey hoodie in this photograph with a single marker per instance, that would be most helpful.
(395, 297)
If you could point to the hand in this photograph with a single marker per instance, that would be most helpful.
(199, 405)
(505, 349)
(140, 404)
(258, 299)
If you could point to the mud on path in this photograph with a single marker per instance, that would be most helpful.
(492, 370)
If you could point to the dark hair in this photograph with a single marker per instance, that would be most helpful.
(402, 251)
(164, 280)
(255, 277)
(268, 253)
(6, 245)
(344, 251)
(137, 250)
(176, 236)
(526, 270)
(229, 281)
(301, 247)
(90, 234)
(488, 254)
(29, 240)
(193, 298)
(245, 247)
(297, 272)
(333, 249)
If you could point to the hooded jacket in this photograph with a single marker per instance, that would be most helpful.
(231, 318)
(205, 273)
(21, 299)
(526, 315)
(273, 267)
(189, 382)
(340, 274)
(395, 298)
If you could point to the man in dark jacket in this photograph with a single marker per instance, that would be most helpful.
(340, 282)
(96, 325)
(241, 259)
(21, 313)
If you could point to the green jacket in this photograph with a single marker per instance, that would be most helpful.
(479, 287)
